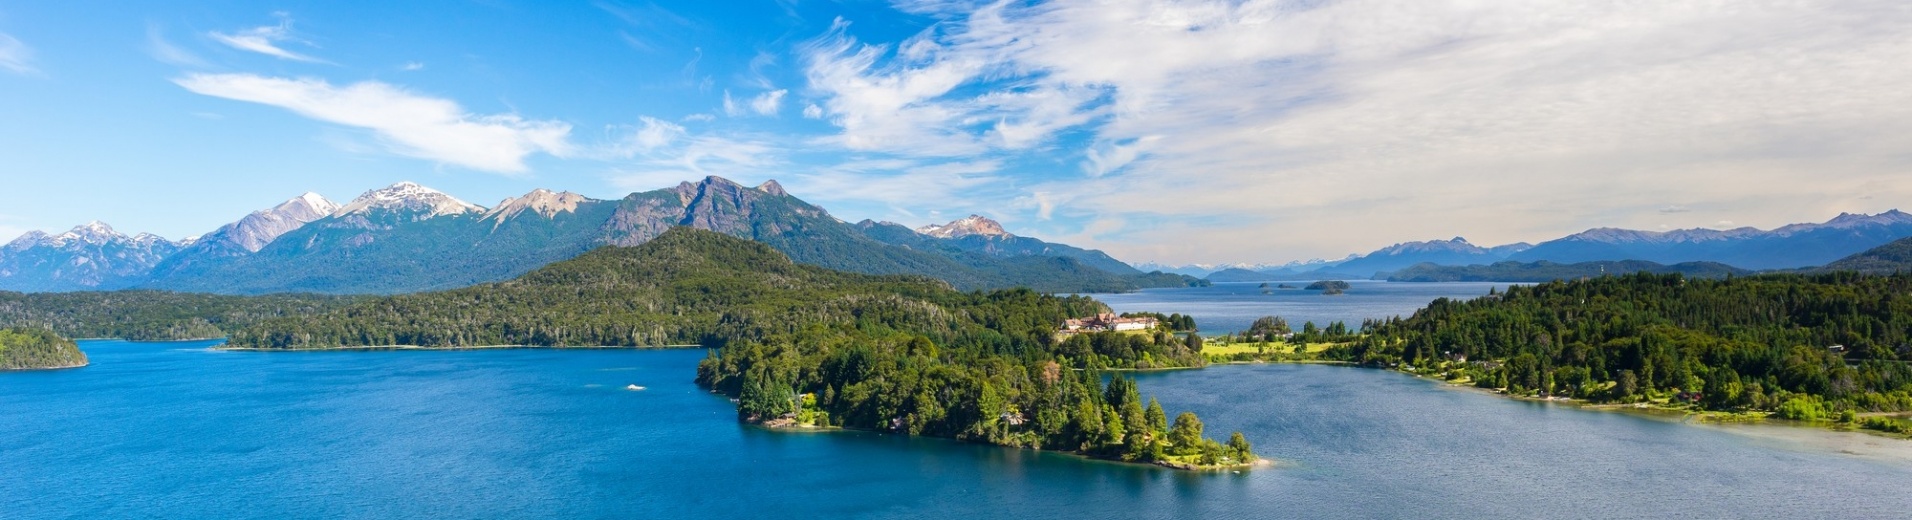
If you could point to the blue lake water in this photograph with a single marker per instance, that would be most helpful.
(1231, 307)
(172, 430)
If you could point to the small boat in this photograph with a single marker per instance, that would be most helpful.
(633, 388)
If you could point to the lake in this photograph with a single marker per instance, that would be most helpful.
(1231, 307)
(174, 430)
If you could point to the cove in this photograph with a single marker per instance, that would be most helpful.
(175, 430)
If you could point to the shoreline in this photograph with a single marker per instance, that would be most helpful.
(474, 347)
(82, 364)
(1259, 462)
(1775, 433)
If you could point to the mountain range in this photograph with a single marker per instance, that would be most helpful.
(1795, 246)
(408, 238)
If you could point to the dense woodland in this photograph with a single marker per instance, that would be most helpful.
(153, 315)
(1806, 347)
(799, 342)
(23, 348)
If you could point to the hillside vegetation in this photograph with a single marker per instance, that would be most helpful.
(1802, 346)
(30, 348)
(1895, 257)
(152, 315)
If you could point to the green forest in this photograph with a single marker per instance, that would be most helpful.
(153, 315)
(24, 348)
(1804, 347)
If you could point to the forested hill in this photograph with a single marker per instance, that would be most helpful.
(30, 348)
(1894, 257)
(895, 353)
(687, 286)
(1824, 342)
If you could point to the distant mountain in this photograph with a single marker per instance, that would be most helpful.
(1441, 252)
(973, 225)
(1281, 275)
(88, 257)
(1894, 257)
(1788, 247)
(1793, 246)
(246, 236)
(981, 235)
(408, 238)
(1544, 271)
(1192, 270)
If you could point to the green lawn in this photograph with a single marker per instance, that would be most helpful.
(1219, 349)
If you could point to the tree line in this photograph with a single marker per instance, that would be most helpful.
(1805, 347)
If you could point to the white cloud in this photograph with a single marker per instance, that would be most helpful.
(656, 133)
(768, 103)
(1354, 124)
(16, 56)
(412, 66)
(266, 39)
(700, 117)
(411, 124)
(661, 153)
(765, 104)
(813, 111)
(731, 107)
(904, 188)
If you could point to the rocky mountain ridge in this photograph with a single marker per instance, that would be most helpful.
(408, 237)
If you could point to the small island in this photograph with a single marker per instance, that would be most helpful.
(24, 348)
(1329, 287)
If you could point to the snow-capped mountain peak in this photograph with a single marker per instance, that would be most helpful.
(540, 201)
(94, 232)
(259, 228)
(411, 198)
(970, 225)
(306, 208)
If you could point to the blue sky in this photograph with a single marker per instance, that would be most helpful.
(1159, 130)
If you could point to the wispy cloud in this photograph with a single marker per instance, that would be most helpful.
(163, 50)
(410, 124)
(266, 39)
(657, 153)
(764, 104)
(15, 56)
(1433, 117)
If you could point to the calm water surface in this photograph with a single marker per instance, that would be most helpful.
(1231, 307)
(172, 430)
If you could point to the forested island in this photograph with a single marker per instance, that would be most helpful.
(24, 348)
(1829, 347)
(1329, 287)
